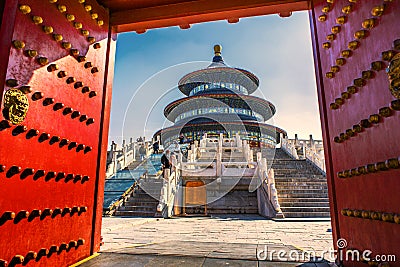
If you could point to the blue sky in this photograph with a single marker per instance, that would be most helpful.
(277, 50)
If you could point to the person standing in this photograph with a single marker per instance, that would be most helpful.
(142, 152)
(181, 139)
(165, 164)
(155, 147)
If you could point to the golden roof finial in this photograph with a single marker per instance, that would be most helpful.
(217, 50)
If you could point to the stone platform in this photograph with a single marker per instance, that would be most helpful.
(223, 240)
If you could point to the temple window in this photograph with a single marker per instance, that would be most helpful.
(220, 110)
(217, 85)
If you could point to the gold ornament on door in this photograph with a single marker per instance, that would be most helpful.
(16, 106)
(393, 72)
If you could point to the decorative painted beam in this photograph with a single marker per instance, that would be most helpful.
(187, 13)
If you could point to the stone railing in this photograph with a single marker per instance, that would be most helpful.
(171, 190)
(312, 150)
(315, 157)
(267, 190)
(289, 147)
(120, 158)
(206, 159)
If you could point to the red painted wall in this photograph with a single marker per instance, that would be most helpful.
(40, 189)
(373, 191)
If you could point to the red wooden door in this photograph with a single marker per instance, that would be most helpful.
(56, 66)
(354, 42)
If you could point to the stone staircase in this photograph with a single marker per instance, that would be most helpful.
(144, 200)
(302, 187)
(237, 201)
(133, 165)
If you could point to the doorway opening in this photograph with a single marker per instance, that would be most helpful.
(286, 79)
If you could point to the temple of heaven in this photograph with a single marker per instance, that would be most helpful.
(218, 100)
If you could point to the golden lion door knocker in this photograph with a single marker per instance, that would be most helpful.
(393, 71)
(16, 106)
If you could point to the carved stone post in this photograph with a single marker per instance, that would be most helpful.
(259, 156)
(124, 151)
(203, 141)
(284, 142)
(273, 193)
(167, 173)
(251, 156)
(110, 155)
(134, 151)
(189, 155)
(245, 150)
(114, 156)
(219, 157)
(238, 141)
(165, 194)
(173, 162)
(259, 165)
(312, 142)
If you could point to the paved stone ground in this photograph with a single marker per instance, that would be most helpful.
(209, 241)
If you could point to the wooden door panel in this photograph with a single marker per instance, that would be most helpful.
(52, 158)
(361, 93)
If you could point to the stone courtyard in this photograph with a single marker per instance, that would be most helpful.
(233, 240)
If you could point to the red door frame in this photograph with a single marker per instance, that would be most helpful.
(103, 144)
(324, 124)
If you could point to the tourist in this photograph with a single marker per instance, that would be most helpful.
(165, 164)
(185, 150)
(142, 152)
(155, 147)
(181, 139)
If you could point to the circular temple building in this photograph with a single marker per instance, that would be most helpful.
(218, 101)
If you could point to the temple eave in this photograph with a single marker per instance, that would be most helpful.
(218, 74)
(264, 126)
(259, 105)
